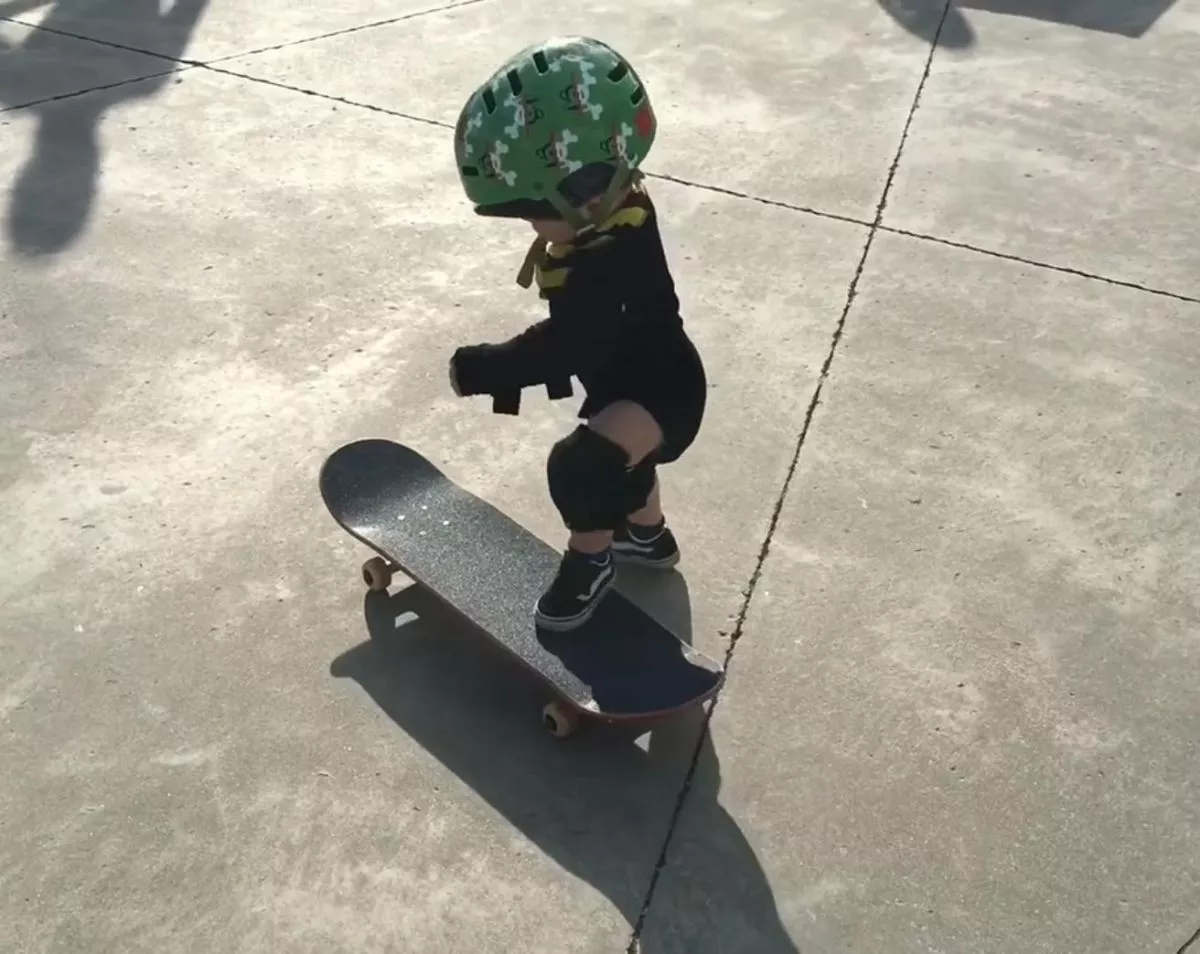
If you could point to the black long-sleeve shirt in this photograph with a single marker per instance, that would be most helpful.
(614, 319)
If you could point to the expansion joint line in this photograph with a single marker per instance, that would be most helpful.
(764, 550)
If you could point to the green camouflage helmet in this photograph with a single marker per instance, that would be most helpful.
(559, 124)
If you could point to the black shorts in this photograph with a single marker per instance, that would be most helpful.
(674, 389)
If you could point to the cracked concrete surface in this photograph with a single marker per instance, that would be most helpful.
(942, 520)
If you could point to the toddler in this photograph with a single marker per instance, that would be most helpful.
(556, 137)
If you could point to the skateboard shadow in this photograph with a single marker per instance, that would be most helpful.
(663, 596)
(600, 804)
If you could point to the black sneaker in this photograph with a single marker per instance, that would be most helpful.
(650, 546)
(581, 583)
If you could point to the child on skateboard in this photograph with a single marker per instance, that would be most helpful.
(555, 138)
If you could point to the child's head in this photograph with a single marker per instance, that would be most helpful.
(555, 136)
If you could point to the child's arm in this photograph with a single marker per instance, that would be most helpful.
(581, 332)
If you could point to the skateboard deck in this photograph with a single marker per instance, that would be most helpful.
(621, 665)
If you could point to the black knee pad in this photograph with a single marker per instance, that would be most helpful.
(588, 476)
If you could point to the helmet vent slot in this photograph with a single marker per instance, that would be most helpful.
(489, 100)
(514, 82)
(618, 73)
(539, 61)
(638, 94)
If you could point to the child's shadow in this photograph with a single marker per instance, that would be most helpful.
(598, 804)
(54, 192)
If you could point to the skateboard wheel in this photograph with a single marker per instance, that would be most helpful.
(377, 574)
(558, 720)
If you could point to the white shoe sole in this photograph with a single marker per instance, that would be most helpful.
(640, 559)
(560, 625)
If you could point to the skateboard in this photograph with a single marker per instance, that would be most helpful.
(619, 666)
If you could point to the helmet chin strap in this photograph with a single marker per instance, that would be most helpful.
(625, 177)
(533, 258)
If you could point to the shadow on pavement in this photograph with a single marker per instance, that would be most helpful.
(52, 198)
(1130, 18)
(599, 804)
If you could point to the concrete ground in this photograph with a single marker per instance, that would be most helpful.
(944, 267)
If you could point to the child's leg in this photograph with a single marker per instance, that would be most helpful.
(591, 483)
(650, 514)
(634, 430)
(645, 538)
(589, 477)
